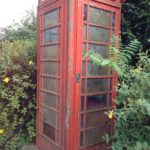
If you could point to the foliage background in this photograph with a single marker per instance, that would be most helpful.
(133, 111)
(18, 83)
(136, 22)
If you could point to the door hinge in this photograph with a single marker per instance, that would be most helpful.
(78, 78)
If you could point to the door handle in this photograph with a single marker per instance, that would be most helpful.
(77, 78)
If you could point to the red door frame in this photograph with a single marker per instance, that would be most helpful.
(106, 5)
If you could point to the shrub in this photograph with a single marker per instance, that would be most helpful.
(132, 115)
(133, 112)
(17, 94)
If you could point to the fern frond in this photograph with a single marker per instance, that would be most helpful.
(133, 46)
(118, 60)
(100, 61)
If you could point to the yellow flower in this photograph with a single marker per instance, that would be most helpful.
(6, 80)
(110, 114)
(124, 103)
(140, 102)
(1, 131)
(30, 62)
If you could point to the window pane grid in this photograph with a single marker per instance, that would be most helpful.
(51, 75)
(100, 97)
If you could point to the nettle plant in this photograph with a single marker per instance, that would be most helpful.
(132, 115)
(17, 94)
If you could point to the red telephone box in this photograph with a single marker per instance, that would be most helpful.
(72, 92)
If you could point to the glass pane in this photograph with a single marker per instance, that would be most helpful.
(100, 17)
(51, 35)
(49, 131)
(82, 103)
(110, 80)
(58, 120)
(50, 100)
(95, 70)
(50, 68)
(84, 47)
(94, 136)
(83, 68)
(113, 19)
(85, 13)
(102, 50)
(99, 34)
(50, 116)
(50, 84)
(83, 86)
(81, 138)
(82, 121)
(96, 119)
(51, 52)
(110, 100)
(84, 32)
(96, 102)
(51, 18)
(97, 85)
